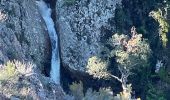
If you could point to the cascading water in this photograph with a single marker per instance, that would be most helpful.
(55, 60)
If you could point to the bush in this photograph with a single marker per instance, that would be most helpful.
(102, 94)
(14, 68)
(77, 90)
(164, 75)
(97, 67)
(155, 94)
(7, 71)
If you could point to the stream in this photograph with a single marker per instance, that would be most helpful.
(45, 12)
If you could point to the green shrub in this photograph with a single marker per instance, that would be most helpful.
(77, 90)
(164, 75)
(8, 70)
(102, 94)
(97, 67)
(14, 68)
(155, 94)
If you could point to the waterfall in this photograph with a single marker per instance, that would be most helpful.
(45, 12)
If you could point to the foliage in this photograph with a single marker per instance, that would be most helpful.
(102, 94)
(137, 15)
(119, 18)
(135, 12)
(97, 67)
(122, 21)
(77, 90)
(69, 2)
(161, 72)
(155, 94)
(130, 54)
(163, 25)
(14, 68)
(20, 81)
(164, 75)
(7, 71)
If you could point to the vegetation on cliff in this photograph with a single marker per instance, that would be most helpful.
(135, 60)
(131, 55)
(142, 60)
(163, 25)
(22, 81)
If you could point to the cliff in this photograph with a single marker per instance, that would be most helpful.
(24, 37)
(82, 27)
(23, 81)
(23, 34)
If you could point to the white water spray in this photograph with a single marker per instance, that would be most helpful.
(55, 60)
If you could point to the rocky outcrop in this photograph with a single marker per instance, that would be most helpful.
(25, 82)
(82, 26)
(24, 37)
(23, 34)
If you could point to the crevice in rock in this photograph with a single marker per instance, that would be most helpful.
(52, 5)
(21, 24)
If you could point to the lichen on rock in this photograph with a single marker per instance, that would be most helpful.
(80, 27)
(27, 83)
(22, 33)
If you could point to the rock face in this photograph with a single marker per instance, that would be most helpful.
(24, 37)
(82, 25)
(26, 83)
(22, 33)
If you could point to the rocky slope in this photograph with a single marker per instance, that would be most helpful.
(23, 35)
(23, 81)
(82, 26)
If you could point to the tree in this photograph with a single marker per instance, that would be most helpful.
(129, 53)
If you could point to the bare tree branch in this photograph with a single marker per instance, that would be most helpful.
(117, 78)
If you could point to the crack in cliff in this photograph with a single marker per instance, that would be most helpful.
(21, 37)
(52, 4)
(48, 13)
